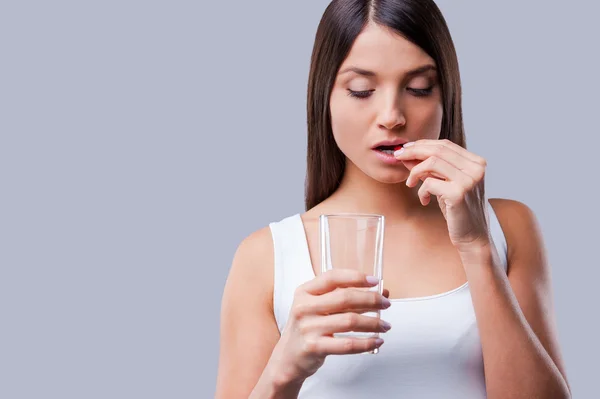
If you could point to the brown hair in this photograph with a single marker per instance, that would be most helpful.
(419, 21)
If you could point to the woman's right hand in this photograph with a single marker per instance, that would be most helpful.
(325, 305)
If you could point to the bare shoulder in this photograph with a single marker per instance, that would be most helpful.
(257, 244)
(252, 265)
(520, 226)
(247, 316)
(513, 210)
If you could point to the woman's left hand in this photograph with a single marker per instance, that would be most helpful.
(456, 177)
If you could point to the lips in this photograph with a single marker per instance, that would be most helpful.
(387, 155)
(389, 145)
(388, 148)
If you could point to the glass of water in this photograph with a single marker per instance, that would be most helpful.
(353, 241)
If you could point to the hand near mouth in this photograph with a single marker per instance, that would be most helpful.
(456, 177)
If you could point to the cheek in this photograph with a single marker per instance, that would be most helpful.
(429, 121)
(347, 124)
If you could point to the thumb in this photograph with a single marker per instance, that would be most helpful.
(410, 164)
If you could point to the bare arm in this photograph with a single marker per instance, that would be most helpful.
(248, 328)
(515, 314)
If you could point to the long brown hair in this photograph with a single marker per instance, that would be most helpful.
(419, 21)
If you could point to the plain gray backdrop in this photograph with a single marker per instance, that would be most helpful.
(141, 141)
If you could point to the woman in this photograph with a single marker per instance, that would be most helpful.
(467, 278)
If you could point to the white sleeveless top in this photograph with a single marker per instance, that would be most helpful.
(432, 351)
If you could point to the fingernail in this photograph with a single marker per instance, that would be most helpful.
(409, 144)
(372, 280)
(385, 325)
(386, 303)
(378, 341)
(400, 151)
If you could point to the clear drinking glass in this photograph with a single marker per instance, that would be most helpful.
(353, 241)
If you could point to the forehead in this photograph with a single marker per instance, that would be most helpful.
(385, 52)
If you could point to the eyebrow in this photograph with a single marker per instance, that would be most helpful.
(412, 72)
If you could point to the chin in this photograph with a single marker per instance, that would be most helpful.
(386, 174)
(390, 177)
(391, 180)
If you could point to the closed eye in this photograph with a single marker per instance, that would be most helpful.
(360, 94)
(421, 92)
(367, 93)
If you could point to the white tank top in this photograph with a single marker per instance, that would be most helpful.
(432, 351)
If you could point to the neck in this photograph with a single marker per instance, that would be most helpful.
(359, 193)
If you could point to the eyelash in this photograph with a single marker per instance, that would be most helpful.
(366, 93)
(360, 94)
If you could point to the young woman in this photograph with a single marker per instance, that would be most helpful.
(470, 302)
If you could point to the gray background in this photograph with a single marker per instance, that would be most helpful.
(142, 140)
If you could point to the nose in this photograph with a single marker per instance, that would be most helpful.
(391, 116)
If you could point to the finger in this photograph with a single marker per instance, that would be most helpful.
(409, 164)
(362, 311)
(451, 146)
(348, 299)
(464, 152)
(346, 345)
(439, 168)
(338, 278)
(425, 151)
(359, 310)
(346, 322)
(445, 189)
(386, 293)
